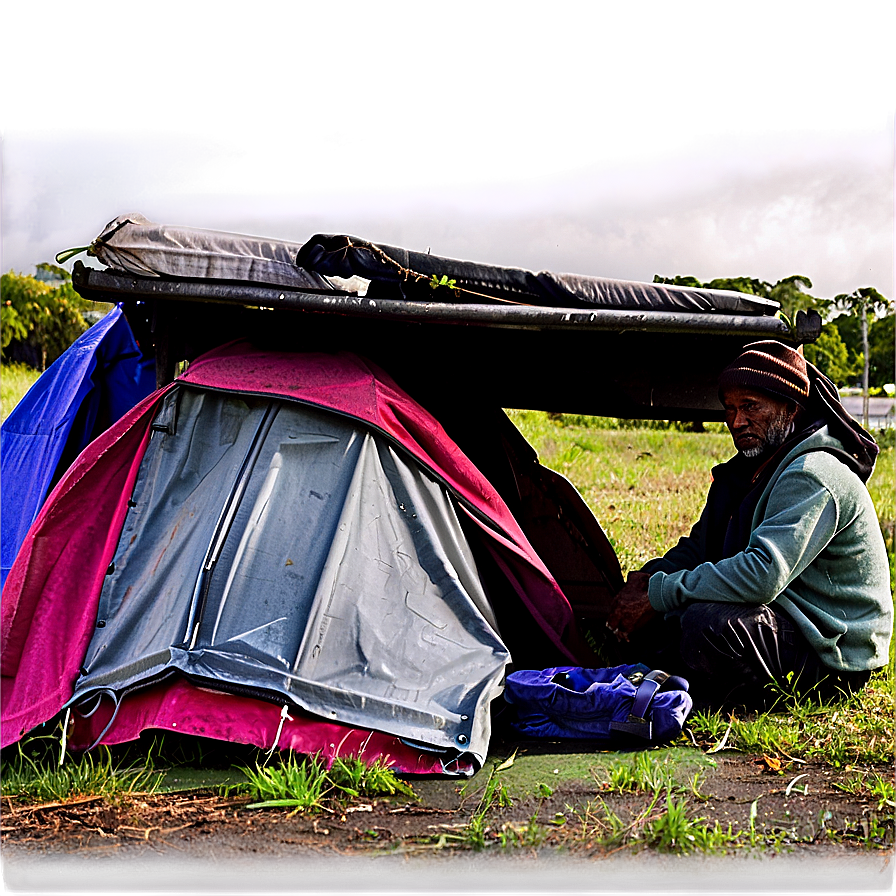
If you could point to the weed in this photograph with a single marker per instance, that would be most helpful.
(672, 830)
(857, 729)
(306, 784)
(34, 773)
(875, 787)
(296, 782)
(529, 835)
(644, 772)
(668, 829)
(647, 772)
(356, 778)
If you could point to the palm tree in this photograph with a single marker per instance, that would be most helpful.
(862, 301)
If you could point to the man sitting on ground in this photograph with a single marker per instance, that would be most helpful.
(784, 578)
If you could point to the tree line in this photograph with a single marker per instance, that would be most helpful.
(40, 316)
(859, 326)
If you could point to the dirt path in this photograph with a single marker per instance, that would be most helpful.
(552, 826)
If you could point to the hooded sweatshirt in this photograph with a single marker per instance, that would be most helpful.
(815, 549)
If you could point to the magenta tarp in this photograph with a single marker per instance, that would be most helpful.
(50, 599)
(180, 706)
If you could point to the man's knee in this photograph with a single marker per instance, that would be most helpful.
(719, 637)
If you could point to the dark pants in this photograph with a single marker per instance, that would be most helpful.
(731, 653)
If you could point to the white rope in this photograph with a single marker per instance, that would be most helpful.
(64, 735)
(284, 715)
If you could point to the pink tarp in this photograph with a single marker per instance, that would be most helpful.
(51, 596)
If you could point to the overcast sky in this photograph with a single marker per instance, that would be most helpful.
(625, 141)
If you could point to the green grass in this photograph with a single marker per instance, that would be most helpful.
(648, 772)
(307, 784)
(647, 487)
(32, 773)
(667, 825)
(15, 381)
(858, 729)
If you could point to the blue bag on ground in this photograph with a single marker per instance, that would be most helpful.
(621, 702)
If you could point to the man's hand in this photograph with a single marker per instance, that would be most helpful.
(631, 610)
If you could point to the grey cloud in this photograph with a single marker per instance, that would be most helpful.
(714, 161)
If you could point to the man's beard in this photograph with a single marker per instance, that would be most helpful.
(778, 432)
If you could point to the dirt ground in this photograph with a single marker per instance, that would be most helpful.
(814, 822)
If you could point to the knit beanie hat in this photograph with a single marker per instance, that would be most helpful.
(772, 367)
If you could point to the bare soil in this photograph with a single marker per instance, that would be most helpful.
(200, 842)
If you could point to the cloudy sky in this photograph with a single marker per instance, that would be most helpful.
(620, 140)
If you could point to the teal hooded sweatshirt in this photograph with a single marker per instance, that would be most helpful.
(815, 550)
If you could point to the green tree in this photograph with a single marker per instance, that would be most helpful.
(830, 354)
(864, 303)
(40, 314)
(790, 292)
(678, 281)
(882, 347)
(742, 284)
(48, 271)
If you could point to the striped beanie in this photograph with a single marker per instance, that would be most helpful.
(771, 367)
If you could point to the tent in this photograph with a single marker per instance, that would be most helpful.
(286, 527)
(325, 534)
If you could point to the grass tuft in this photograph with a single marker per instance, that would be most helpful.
(33, 773)
(854, 730)
(15, 381)
(306, 784)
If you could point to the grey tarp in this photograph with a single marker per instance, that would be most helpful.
(285, 551)
(135, 244)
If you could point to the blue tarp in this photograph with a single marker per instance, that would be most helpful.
(101, 377)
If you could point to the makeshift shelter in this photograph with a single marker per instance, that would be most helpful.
(282, 546)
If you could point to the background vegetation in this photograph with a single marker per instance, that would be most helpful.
(42, 315)
(839, 351)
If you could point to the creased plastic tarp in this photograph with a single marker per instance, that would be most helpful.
(100, 377)
(343, 582)
(41, 661)
(347, 256)
(135, 244)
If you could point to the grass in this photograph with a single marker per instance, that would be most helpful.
(33, 773)
(307, 784)
(647, 772)
(858, 729)
(15, 381)
(481, 831)
(666, 824)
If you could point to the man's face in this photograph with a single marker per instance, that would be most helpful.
(757, 422)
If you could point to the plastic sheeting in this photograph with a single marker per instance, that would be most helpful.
(284, 551)
(50, 610)
(135, 244)
(97, 380)
(410, 274)
(346, 263)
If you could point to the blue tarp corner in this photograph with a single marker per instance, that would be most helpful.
(96, 381)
